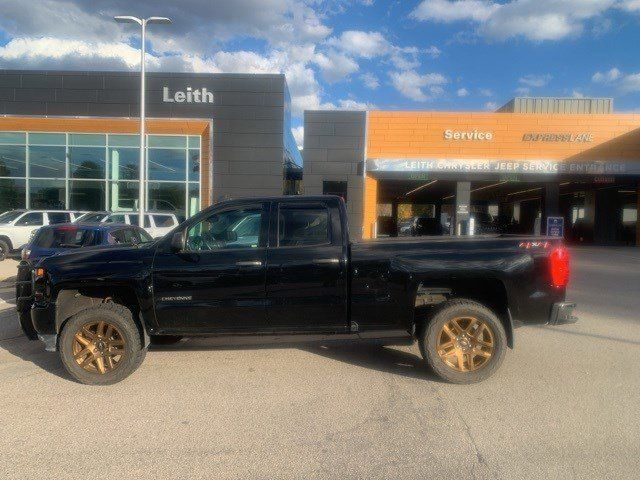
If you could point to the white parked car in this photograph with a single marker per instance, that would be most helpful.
(16, 226)
(156, 224)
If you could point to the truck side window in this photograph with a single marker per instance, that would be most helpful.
(300, 225)
(224, 230)
(31, 219)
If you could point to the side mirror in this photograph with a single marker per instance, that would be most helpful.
(177, 242)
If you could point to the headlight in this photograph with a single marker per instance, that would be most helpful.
(25, 254)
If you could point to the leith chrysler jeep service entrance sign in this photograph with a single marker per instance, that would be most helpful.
(525, 167)
(190, 95)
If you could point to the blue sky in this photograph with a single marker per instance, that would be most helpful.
(411, 54)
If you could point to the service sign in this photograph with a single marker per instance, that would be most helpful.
(555, 226)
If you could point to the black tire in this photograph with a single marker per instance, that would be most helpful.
(165, 339)
(27, 325)
(454, 309)
(120, 317)
(4, 250)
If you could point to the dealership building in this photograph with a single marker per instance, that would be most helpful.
(68, 140)
(568, 167)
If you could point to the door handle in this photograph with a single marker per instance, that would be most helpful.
(326, 261)
(250, 263)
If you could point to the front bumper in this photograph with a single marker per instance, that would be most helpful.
(562, 313)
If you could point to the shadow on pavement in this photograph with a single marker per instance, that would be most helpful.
(591, 335)
(374, 357)
(34, 352)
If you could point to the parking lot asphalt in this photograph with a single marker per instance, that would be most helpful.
(564, 404)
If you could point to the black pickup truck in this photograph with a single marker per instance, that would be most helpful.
(286, 267)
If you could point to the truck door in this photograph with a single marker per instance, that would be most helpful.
(306, 271)
(217, 283)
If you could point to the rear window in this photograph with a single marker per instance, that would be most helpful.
(299, 226)
(71, 237)
(163, 220)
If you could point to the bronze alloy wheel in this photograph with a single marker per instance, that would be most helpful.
(465, 344)
(98, 347)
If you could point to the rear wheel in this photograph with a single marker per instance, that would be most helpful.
(27, 326)
(464, 342)
(101, 345)
(4, 250)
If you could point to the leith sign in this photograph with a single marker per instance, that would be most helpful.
(190, 95)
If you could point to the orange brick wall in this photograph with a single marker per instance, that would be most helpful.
(421, 134)
(370, 206)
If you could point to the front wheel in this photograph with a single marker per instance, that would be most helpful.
(101, 345)
(464, 342)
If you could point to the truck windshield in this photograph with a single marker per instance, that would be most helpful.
(10, 216)
(64, 237)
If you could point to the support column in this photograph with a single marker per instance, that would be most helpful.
(463, 201)
(394, 215)
(550, 204)
(370, 210)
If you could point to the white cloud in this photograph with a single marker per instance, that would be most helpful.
(432, 51)
(350, 104)
(413, 85)
(486, 92)
(370, 80)
(335, 66)
(630, 5)
(524, 91)
(298, 134)
(630, 83)
(607, 77)
(491, 106)
(577, 94)
(452, 11)
(536, 20)
(361, 44)
(462, 92)
(535, 81)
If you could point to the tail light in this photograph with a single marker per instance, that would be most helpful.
(559, 267)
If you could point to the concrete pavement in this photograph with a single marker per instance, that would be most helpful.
(564, 405)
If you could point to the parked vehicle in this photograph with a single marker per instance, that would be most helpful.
(422, 225)
(57, 239)
(92, 217)
(156, 224)
(16, 226)
(280, 266)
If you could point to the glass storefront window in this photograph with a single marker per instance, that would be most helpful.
(47, 194)
(87, 162)
(12, 194)
(88, 139)
(96, 171)
(167, 197)
(167, 141)
(193, 206)
(166, 164)
(123, 196)
(13, 138)
(13, 161)
(124, 163)
(194, 165)
(47, 162)
(87, 195)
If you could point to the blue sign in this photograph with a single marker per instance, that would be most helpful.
(555, 226)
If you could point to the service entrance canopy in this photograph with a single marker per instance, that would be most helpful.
(488, 166)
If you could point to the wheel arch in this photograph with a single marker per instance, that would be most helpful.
(72, 301)
(488, 291)
(7, 240)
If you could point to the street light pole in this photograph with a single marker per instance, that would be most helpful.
(143, 169)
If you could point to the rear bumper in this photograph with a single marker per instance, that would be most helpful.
(562, 313)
